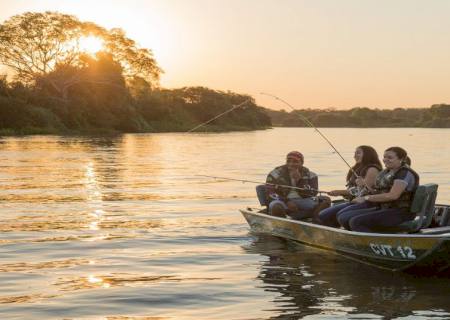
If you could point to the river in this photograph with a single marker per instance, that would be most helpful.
(123, 228)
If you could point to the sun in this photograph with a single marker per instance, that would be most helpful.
(90, 44)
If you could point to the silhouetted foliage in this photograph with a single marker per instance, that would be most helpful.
(58, 88)
(437, 116)
(35, 44)
(187, 107)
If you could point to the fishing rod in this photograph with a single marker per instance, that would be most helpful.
(266, 183)
(218, 116)
(309, 123)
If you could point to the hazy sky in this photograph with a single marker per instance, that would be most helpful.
(317, 53)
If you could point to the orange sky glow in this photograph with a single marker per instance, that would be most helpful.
(313, 54)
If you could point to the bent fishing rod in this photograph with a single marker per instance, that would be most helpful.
(266, 183)
(310, 124)
(219, 115)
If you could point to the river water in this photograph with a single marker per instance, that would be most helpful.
(122, 228)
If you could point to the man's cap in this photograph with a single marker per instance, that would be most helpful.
(295, 155)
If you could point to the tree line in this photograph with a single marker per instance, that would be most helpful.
(437, 116)
(98, 109)
(55, 86)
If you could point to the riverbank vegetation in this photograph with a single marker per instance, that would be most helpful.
(70, 76)
(437, 116)
(67, 76)
(96, 109)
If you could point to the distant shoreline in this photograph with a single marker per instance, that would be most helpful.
(437, 116)
(103, 133)
(377, 127)
(44, 131)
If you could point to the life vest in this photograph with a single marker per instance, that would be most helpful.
(280, 176)
(385, 181)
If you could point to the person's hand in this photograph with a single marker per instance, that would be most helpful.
(334, 193)
(295, 174)
(360, 182)
(358, 200)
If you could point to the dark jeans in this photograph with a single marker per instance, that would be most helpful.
(344, 216)
(337, 215)
(305, 205)
(380, 218)
(328, 216)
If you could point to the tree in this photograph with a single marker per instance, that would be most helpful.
(3, 86)
(93, 71)
(35, 44)
(440, 110)
(364, 113)
(94, 95)
(136, 62)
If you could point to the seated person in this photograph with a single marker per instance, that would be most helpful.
(360, 181)
(394, 190)
(281, 199)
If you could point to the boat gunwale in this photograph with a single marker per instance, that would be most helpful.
(443, 236)
(357, 255)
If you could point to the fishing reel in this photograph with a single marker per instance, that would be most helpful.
(354, 191)
(358, 192)
(274, 196)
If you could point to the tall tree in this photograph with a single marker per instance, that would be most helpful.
(35, 44)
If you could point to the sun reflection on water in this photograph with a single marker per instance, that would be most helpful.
(98, 281)
(94, 197)
(92, 281)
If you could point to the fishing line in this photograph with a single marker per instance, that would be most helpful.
(310, 124)
(218, 116)
(266, 183)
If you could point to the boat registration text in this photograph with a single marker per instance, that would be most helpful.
(390, 251)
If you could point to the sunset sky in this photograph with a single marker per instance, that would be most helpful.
(317, 53)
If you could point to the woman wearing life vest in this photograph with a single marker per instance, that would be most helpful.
(360, 181)
(394, 190)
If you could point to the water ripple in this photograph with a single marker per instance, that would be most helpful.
(123, 228)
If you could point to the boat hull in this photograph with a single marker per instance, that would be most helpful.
(397, 252)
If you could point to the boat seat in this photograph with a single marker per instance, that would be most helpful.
(438, 230)
(423, 206)
(443, 214)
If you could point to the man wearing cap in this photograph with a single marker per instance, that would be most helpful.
(281, 200)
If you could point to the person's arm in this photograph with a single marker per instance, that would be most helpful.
(393, 194)
(368, 181)
(314, 183)
(370, 178)
(337, 193)
(270, 188)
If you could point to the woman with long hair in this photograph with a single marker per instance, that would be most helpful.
(360, 180)
(394, 191)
